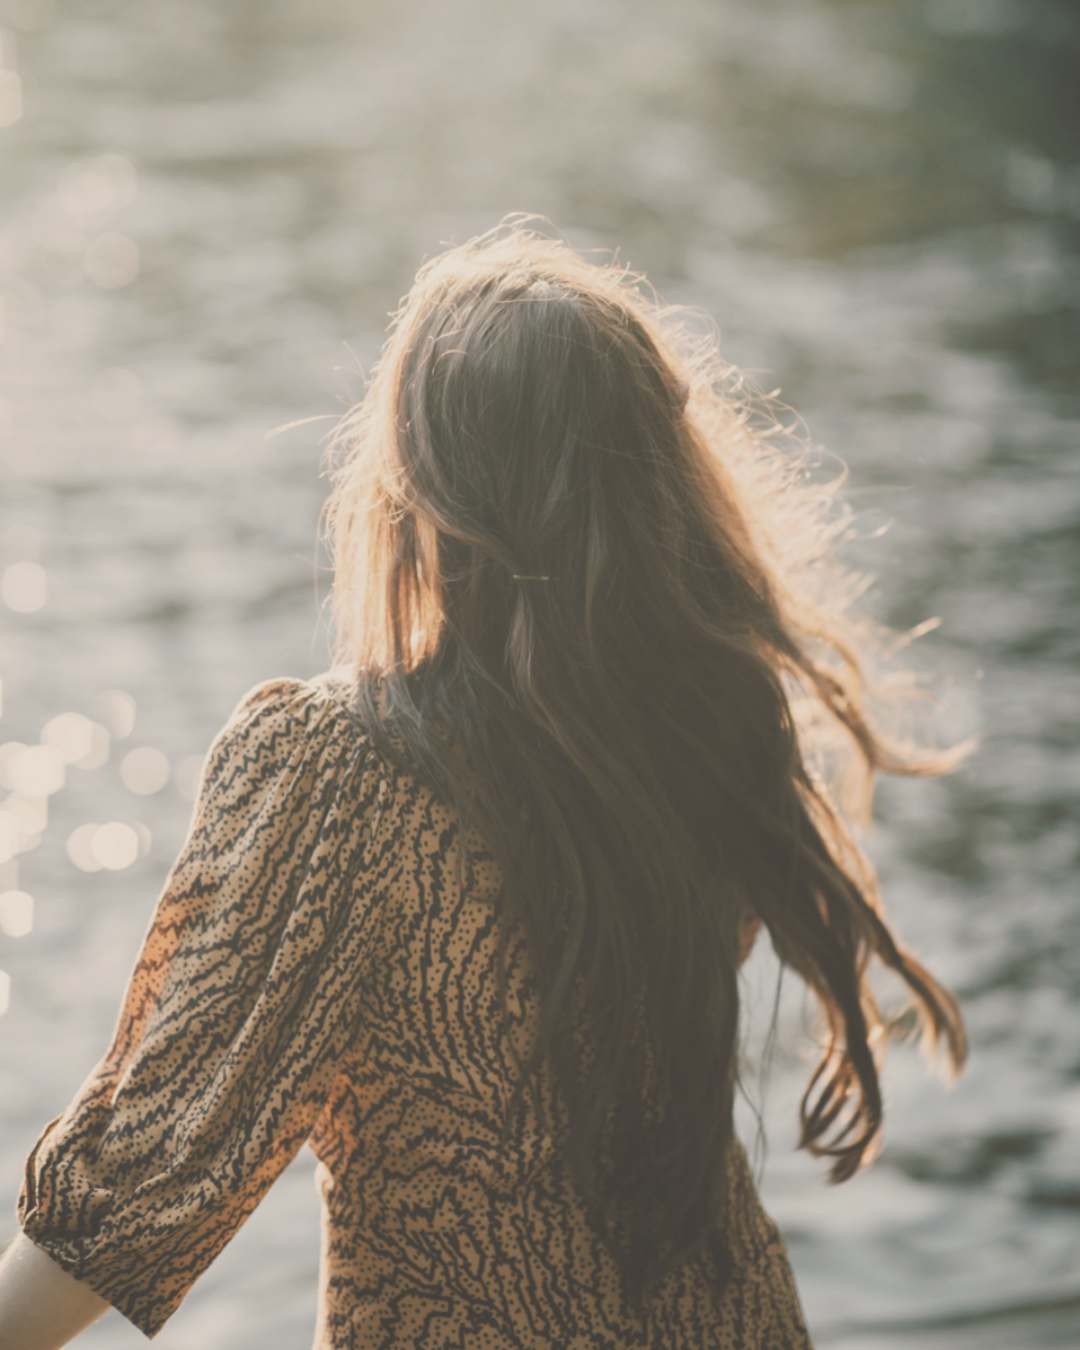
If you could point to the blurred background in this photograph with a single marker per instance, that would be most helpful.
(207, 211)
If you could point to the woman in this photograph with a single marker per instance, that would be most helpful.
(467, 913)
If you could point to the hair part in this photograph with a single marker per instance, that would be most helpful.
(654, 740)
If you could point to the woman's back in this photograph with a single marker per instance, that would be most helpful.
(474, 1233)
(324, 965)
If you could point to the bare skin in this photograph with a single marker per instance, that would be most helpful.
(41, 1306)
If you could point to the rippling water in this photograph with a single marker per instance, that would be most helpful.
(206, 212)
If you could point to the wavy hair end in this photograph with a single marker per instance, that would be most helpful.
(666, 739)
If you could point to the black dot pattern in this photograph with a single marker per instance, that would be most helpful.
(321, 968)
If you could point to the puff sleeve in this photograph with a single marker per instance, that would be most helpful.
(245, 995)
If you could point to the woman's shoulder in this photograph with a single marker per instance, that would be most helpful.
(294, 722)
(289, 695)
(287, 702)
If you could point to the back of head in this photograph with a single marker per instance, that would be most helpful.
(579, 570)
(529, 420)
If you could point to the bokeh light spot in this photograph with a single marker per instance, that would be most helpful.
(16, 913)
(30, 814)
(115, 845)
(79, 848)
(37, 771)
(112, 261)
(8, 752)
(144, 771)
(71, 735)
(23, 587)
(10, 838)
(100, 742)
(118, 712)
(94, 189)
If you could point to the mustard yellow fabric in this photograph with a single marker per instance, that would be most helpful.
(321, 968)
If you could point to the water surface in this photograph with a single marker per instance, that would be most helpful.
(206, 214)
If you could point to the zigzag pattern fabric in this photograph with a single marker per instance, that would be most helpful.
(321, 968)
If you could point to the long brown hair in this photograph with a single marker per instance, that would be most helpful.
(587, 591)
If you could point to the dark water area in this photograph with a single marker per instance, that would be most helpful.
(207, 212)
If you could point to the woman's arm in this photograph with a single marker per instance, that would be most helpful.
(41, 1306)
(246, 995)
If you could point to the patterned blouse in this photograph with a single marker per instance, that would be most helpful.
(321, 968)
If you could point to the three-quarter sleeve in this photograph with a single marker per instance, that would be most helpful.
(245, 995)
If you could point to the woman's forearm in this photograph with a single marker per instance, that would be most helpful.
(41, 1306)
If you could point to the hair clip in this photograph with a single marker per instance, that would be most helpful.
(517, 578)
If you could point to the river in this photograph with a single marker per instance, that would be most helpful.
(207, 212)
